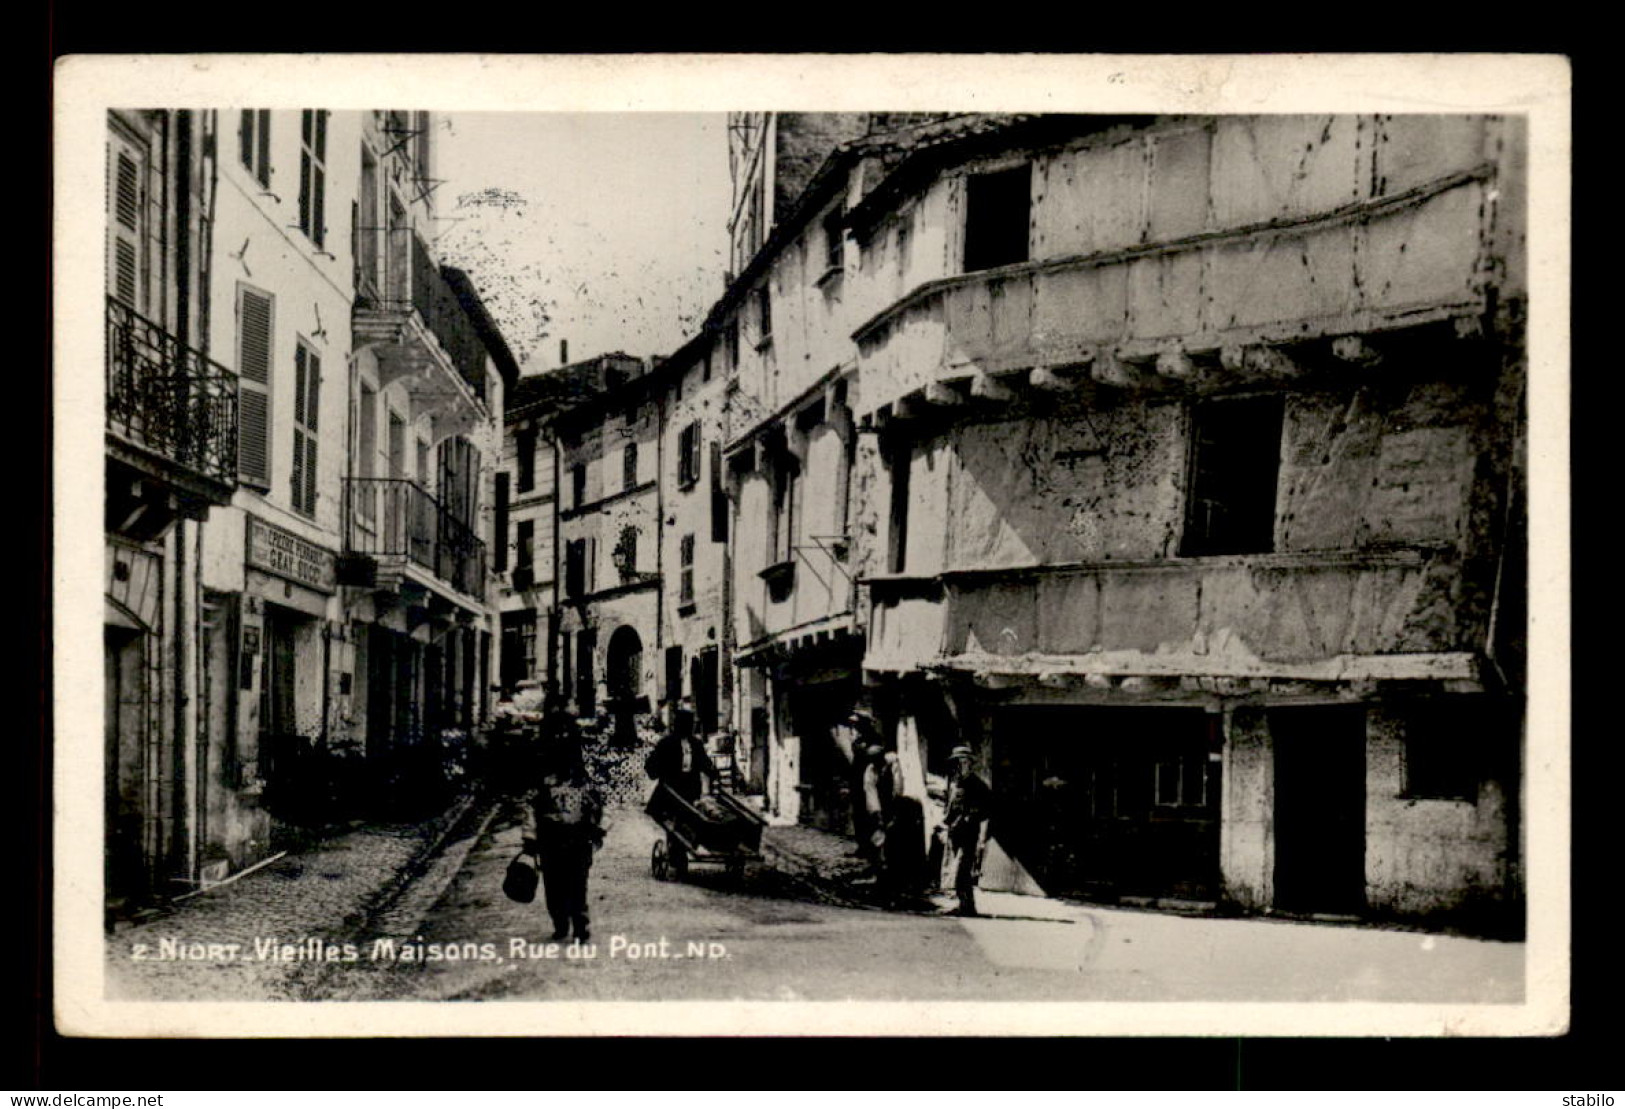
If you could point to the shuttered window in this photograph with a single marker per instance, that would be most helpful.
(313, 175)
(126, 166)
(307, 381)
(688, 456)
(719, 497)
(685, 561)
(254, 144)
(254, 320)
(501, 524)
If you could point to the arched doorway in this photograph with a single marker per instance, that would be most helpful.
(623, 681)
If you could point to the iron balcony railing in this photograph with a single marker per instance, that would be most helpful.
(395, 518)
(168, 398)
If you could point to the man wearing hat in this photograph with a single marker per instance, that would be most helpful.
(969, 801)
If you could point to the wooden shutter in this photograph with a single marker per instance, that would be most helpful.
(125, 223)
(313, 372)
(245, 139)
(500, 524)
(304, 171)
(318, 229)
(254, 316)
(297, 483)
(719, 498)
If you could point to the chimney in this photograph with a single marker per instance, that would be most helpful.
(564, 352)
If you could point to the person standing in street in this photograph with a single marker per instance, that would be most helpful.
(968, 805)
(564, 828)
(903, 852)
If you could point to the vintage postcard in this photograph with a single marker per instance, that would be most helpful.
(811, 544)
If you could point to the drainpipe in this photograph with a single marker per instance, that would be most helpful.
(554, 622)
(183, 826)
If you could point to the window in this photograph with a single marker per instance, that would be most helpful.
(1235, 457)
(575, 567)
(897, 533)
(307, 383)
(1184, 782)
(524, 556)
(719, 497)
(367, 227)
(313, 176)
(705, 367)
(688, 456)
(518, 647)
(500, 524)
(834, 240)
(421, 149)
(578, 484)
(525, 447)
(254, 144)
(997, 208)
(685, 559)
(127, 223)
(254, 317)
(626, 554)
(629, 466)
(396, 446)
(730, 338)
(764, 314)
(784, 510)
(1439, 763)
(363, 497)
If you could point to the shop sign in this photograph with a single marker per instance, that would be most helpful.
(281, 552)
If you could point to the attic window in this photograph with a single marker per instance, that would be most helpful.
(834, 239)
(998, 207)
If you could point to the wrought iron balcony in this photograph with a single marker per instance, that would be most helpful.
(395, 518)
(170, 400)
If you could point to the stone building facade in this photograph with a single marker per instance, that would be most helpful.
(331, 630)
(1173, 464)
(1199, 461)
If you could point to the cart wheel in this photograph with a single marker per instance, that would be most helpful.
(660, 862)
(677, 857)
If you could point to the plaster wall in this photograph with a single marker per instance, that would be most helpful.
(1429, 856)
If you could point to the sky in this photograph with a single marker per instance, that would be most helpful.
(608, 230)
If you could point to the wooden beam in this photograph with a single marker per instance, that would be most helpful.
(1175, 365)
(1109, 369)
(942, 393)
(1354, 350)
(1259, 361)
(987, 387)
(1055, 379)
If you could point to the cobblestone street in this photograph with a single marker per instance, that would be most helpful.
(785, 931)
(325, 893)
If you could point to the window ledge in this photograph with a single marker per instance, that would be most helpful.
(765, 342)
(829, 275)
(688, 608)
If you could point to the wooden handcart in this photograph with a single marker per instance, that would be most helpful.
(717, 829)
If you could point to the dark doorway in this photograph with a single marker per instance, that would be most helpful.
(128, 793)
(623, 678)
(1319, 808)
(1110, 802)
(826, 784)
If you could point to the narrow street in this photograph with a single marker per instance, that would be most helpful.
(765, 939)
